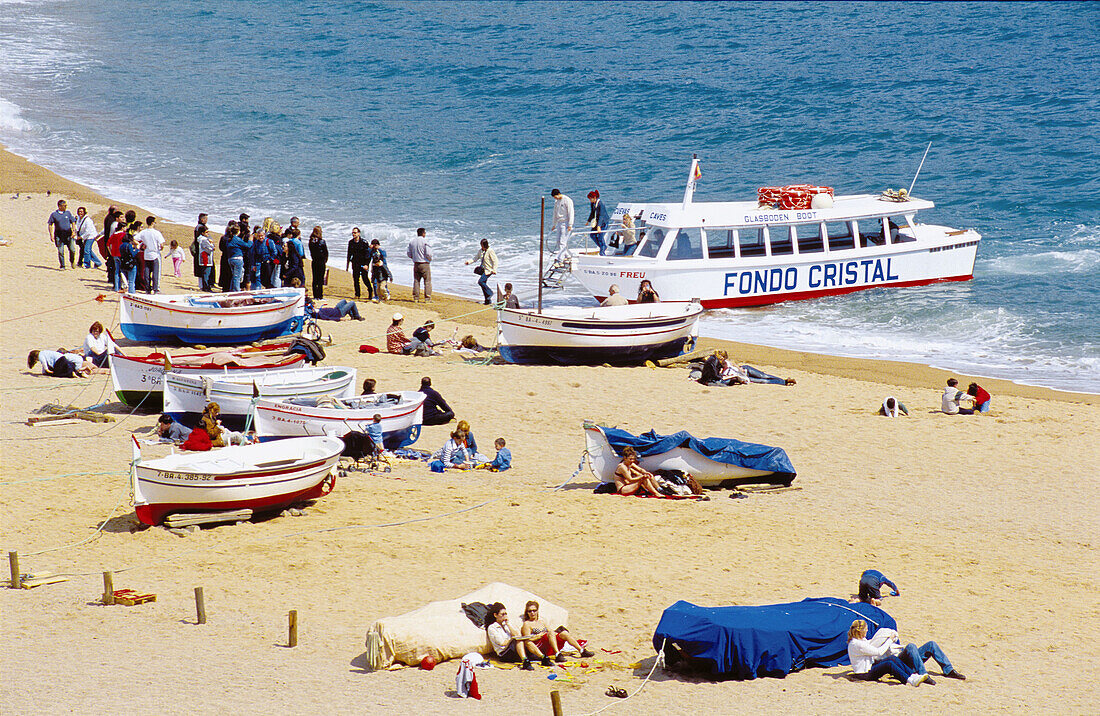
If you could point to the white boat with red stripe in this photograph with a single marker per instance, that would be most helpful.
(260, 477)
(402, 414)
(792, 243)
(213, 318)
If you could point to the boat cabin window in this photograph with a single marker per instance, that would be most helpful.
(721, 243)
(900, 230)
(687, 244)
(654, 237)
(809, 238)
(752, 241)
(781, 240)
(841, 235)
(870, 232)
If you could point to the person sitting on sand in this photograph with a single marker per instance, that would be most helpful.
(421, 343)
(98, 345)
(396, 340)
(508, 643)
(469, 343)
(870, 662)
(436, 410)
(981, 397)
(536, 627)
(949, 401)
(870, 586)
(646, 293)
(471, 443)
(60, 364)
(503, 459)
(614, 298)
(631, 478)
(455, 452)
(168, 430)
(368, 386)
(219, 436)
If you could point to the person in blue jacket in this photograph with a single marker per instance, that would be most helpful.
(597, 220)
(503, 460)
(870, 585)
(235, 248)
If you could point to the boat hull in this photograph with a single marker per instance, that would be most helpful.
(261, 478)
(401, 420)
(619, 335)
(186, 396)
(602, 460)
(139, 380)
(199, 318)
(761, 281)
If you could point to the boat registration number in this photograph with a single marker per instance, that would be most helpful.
(194, 476)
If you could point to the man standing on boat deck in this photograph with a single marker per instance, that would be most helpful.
(597, 221)
(562, 223)
(421, 254)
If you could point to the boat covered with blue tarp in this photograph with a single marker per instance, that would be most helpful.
(770, 640)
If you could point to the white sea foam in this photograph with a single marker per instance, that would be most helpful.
(11, 118)
(1045, 262)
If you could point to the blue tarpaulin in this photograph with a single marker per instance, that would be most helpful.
(770, 640)
(724, 450)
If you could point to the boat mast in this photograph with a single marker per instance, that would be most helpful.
(919, 168)
(689, 190)
(542, 227)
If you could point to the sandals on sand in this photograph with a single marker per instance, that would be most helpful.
(616, 692)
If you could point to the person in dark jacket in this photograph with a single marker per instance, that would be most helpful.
(380, 274)
(597, 221)
(318, 257)
(224, 277)
(436, 410)
(291, 267)
(200, 270)
(358, 259)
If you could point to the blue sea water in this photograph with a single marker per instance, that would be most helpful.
(459, 116)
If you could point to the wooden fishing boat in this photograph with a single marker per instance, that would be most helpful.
(186, 396)
(402, 414)
(262, 478)
(139, 380)
(713, 462)
(213, 318)
(618, 335)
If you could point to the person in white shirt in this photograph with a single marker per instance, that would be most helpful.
(949, 402)
(562, 223)
(871, 661)
(86, 235)
(614, 298)
(508, 643)
(98, 345)
(151, 242)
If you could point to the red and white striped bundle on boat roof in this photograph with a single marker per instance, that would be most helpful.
(794, 196)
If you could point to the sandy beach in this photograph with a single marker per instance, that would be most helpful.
(988, 524)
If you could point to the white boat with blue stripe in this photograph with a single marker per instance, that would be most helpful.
(213, 318)
(616, 335)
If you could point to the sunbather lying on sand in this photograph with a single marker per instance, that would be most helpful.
(629, 476)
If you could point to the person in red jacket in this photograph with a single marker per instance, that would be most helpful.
(981, 397)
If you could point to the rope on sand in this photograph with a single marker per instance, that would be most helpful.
(101, 297)
(659, 660)
(410, 521)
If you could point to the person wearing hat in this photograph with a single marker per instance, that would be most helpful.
(562, 223)
(396, 340)
(597, 221)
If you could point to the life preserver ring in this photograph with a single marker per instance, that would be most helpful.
(769, 195)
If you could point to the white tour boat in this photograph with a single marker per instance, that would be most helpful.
(793, 243)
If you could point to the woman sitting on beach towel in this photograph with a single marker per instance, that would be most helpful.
(632, 479)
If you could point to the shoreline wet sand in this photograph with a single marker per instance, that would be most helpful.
(988, 524)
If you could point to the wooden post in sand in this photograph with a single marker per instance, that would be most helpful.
(292, 638)
(108, 588)
(555, 702)
(13, 562)
(200, 606)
